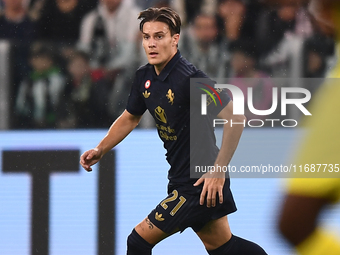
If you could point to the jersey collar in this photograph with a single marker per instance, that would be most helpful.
(169, 66)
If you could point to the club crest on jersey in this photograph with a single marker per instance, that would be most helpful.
(160, 114)
(146, 94)
(147, 84)
(171, 96)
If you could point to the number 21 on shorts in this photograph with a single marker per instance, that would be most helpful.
(173, 198)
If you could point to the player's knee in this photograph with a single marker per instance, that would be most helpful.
(236, 246)
(136, 245)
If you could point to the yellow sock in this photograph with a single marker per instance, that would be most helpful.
(319, 243)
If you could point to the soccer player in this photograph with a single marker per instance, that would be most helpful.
(306, 198)
(163, 87)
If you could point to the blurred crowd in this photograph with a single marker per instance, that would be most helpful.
(73, 61)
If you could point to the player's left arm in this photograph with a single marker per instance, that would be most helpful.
(214, 182)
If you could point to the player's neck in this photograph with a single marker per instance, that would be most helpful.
(161, 66)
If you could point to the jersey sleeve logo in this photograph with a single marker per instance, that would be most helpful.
(160, 114)
(159, 217)
(147, 84)
(171, 96)
(146, 94)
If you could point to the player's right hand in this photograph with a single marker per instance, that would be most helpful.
(89, 158)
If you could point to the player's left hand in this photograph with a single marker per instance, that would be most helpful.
(213, 186)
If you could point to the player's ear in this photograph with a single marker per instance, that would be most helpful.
(175, 39)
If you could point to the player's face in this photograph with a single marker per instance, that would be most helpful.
(158, 44)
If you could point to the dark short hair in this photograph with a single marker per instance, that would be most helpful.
(163, 14)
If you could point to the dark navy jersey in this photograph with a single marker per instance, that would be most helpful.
(167, 97)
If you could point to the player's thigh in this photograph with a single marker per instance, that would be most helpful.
(150, 233)
(215, 233)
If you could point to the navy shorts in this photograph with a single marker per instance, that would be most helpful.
(181, 208)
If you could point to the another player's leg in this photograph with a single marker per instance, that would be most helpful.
(218, 240)
(299, 215)
(144, 237)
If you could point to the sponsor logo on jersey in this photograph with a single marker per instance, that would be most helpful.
(160, 114)
(146, 94)
(159, 217)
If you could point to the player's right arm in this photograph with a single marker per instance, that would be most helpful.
(117, 132)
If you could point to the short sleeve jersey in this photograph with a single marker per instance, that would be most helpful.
(167, 97)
